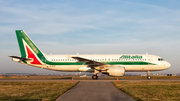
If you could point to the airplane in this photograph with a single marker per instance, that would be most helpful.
(110, 64)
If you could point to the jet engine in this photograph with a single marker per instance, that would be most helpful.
(116, 71)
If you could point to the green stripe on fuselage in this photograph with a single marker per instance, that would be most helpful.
(110, 63)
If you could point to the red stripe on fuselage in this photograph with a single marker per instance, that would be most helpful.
(32, 56)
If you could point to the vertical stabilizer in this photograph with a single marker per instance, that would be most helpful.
(28, 49)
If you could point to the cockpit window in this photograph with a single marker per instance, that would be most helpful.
(160, 59)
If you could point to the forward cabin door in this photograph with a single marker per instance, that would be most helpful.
(150, 62)
(150, 59)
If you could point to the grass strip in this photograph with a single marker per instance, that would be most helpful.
(143, 77)
(151, 91)
(33, 91)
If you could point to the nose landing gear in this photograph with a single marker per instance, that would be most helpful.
(148, 75)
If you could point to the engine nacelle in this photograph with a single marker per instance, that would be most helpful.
(116, 71)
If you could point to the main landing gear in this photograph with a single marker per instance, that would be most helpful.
(148, 75)
(95, 77)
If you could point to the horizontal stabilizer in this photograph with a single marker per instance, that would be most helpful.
(20, 58)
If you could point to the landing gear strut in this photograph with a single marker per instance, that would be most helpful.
(94, 77)
(148, 75)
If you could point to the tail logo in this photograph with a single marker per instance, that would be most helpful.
(30, 54)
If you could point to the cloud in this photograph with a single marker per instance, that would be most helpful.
(92, 27)
(37, 21)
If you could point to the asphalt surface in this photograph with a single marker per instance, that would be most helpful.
(95, 91)
(69, 80)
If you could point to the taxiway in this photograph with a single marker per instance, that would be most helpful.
(69, 80)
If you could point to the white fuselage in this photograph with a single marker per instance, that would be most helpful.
(146, 63)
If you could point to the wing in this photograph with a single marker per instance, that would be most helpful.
(91, 63)
(88, 62)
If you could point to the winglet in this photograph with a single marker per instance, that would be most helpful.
(69, 56)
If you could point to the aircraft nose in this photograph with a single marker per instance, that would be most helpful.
(168, 65)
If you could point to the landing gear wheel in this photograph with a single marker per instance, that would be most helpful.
(149, 77)
(94, 77)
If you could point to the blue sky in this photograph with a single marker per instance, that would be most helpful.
(91, 27)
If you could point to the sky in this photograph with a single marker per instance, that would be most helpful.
(91, 27)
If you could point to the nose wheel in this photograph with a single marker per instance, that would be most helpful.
(94, 77)
(148, 75)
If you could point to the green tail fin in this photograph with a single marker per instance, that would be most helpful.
(27, 48)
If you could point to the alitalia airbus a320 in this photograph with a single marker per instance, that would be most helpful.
(112, 64)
